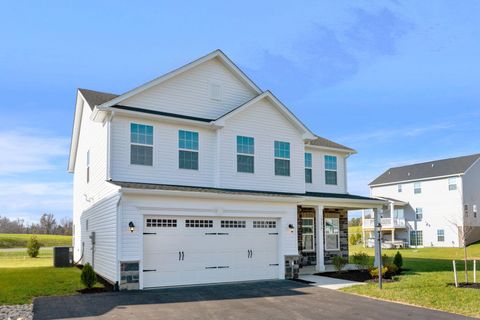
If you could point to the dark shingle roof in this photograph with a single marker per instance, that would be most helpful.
(95, 98)
(430, 169)
(154, 186)
(322, 142)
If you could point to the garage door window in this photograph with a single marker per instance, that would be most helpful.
(264, 224)
(199, 223)
(233, 224)
(165, 223)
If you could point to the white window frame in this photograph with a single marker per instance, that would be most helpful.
(331, 170)
(188, 150)
(282, 158)
(452, 184)
(309, 234)
(337, 234)
(417, 188)
(440, 235)
(400, 188)
(245, 154)
(310, 167)
(418, 211)
(141, 144)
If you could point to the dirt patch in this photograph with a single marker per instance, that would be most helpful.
(93, 290)
(469, 285)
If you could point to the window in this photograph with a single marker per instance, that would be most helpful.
(440, 235)
(416, 238)
(332, 234)
(162, 223)
(245, 152)
(474, 209)
(331, 170)
(308, 167)
(418, 214)
(399, 188)
(282, 158)
(88, 166)
(199, 223)
(452, 184)
(233, 224)
(308, 235)
(465, 210)
(265, 224)
(188, 150)
(417, 188)
(141, 144)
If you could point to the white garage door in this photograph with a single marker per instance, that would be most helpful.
(196, 250)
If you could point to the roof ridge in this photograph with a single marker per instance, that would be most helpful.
(435, 160)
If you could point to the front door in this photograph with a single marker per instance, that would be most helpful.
(307, 237)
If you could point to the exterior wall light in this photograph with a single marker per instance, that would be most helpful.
(131, 226)
(291, 227)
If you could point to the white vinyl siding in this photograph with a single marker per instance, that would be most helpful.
(318, 172)
(190, 93)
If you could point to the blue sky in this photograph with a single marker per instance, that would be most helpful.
(396, 80)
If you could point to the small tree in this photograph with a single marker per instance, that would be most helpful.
(385, 259)
(361, 260)
(33, 247)
(465, 231)
(88, 276)
(398, 260)
(339, 263)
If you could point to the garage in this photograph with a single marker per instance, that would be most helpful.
(197, 250)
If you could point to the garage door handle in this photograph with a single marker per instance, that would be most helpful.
(183, 255)
(179, 255)
(149, 270)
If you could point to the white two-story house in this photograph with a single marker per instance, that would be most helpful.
(199, 176)
(431, 204)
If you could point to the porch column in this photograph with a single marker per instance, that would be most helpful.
(393, 235)
(392, 208)
(376, 219)
(320, 236)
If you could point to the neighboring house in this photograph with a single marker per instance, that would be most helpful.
(199, 176)
(431, 204)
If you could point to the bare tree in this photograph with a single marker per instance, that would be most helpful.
(48, 223)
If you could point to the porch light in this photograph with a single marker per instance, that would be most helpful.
(291, 227)
(131, 226)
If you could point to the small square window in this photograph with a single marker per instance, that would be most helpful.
(417, 188)
(452, 184)
(418, 214)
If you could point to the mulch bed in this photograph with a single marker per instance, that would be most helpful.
(94, 290)
(469, 285)
(352, 275)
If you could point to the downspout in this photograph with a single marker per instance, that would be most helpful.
(109, 123)
(119, 229)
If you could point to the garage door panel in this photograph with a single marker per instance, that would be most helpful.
(212, 250)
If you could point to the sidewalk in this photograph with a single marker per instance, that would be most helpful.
(329, 283)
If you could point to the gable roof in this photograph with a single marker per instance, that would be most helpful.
(276, 103)
(217, 54)
(95, 98)
(424, 170)
(322, 142)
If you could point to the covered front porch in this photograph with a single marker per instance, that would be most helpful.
(322, 230)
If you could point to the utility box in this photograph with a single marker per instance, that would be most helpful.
(291, 266)
(62, 257)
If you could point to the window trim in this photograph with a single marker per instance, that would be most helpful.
(440, 235)
(337, 234)
(417, 213)
(417, 190)
(399, 188)
(416, 238)
(309, 234)
(452, 186)
(331, 170)
(188, 150)
(140, 144)
(245, 154)
(275, 157)
(310, 167)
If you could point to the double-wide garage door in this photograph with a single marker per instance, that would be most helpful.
(196, 250)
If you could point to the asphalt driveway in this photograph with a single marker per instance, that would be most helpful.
(257, 300)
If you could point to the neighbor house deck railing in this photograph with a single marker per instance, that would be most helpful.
(386, 223)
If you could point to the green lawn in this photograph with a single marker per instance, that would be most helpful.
(428, 281)
(20, 240)
(20, 259)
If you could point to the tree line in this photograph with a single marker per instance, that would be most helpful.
(47, 225)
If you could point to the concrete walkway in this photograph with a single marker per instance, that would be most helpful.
(328, 283)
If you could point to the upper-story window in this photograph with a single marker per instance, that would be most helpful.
(188, 150)
(399, 188)
(331, 170)
(308, 168)
(88, 166)
(452, 183)
(141, 144)
(418, 214)
(474, 209)
(245, 154)
(417, 188)
(282, 158)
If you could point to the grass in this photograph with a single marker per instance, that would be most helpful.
(20, 240)
(20, 259)
(428, 282)
(356, 229)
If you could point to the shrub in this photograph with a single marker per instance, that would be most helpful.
(339, 263)
(88, 276)
(353, 239)
(398, 260)
(374, 272)
(33, 247)
(359, 238)
(386, 259)
(391, 270)
(361, 260)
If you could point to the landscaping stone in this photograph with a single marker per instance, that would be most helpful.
(16, 312)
